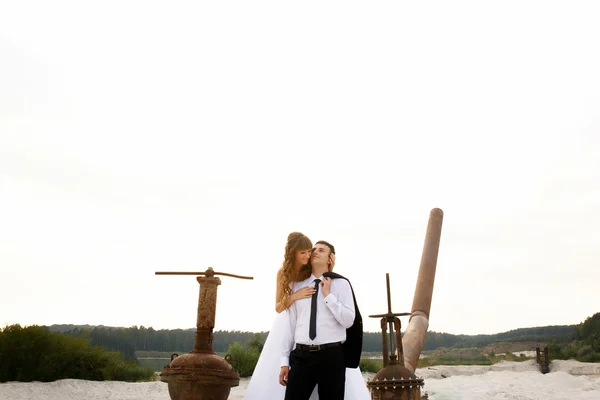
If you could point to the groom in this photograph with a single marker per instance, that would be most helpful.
(318, 327)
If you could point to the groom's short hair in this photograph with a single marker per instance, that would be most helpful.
(326, 244)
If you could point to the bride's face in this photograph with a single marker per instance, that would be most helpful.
(302, 257)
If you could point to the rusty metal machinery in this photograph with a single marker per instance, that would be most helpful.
(201, 374)
(394, 380)
(397, 379)
(416, 330)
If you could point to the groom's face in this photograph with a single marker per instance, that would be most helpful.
(320, 255)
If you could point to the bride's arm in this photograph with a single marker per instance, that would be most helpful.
(281, 302)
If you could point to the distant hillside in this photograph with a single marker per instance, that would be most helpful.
(132, 339)
(558, 333)
(68, 328)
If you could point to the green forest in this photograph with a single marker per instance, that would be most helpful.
(132, 339)
(133, 354)
(34, 353)
(585, 345)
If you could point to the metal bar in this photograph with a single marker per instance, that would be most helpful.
(180, 273)
(389, 296)
(234, 276)
(392, 341)
(203, 273)
(384, 340)
(390, 315)
(399, 349)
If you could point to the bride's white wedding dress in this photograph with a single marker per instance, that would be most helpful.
(264, 383)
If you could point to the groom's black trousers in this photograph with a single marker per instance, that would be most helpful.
(325, 367)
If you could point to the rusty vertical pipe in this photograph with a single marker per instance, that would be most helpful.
(386, 357)
(201, 374)
(414, 337)
(207, 309)
(424, 288)
(393, 343)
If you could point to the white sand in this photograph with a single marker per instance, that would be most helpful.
(503, 381)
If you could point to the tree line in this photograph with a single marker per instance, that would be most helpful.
(108, 353)
(132, 339)
(585, 345)
(34, 353)
(547, 334)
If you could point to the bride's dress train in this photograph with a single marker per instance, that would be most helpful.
(264, 383)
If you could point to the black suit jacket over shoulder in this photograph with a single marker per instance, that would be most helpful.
(354, 335)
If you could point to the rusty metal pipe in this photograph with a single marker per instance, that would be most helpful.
(201, 374)
(414, 337)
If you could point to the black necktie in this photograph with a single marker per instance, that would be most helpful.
(312, 330)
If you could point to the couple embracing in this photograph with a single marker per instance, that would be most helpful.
(316, 340)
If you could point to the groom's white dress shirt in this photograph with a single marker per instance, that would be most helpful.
(335, 314)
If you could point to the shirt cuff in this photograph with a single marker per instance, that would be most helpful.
(330, 299)
(285, 361)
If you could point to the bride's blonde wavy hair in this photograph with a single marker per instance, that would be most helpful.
(296, 241)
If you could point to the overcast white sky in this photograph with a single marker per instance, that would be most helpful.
(141, 136)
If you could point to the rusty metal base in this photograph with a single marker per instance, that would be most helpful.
(199, 376)
(395, 382)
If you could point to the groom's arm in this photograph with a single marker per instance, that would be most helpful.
(288, 337)
(340, 301)
(287, 343)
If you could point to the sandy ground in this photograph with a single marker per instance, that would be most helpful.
(503, 381)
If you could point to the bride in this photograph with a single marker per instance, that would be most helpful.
(264, 383)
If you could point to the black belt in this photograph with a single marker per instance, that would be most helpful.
(316, 347)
